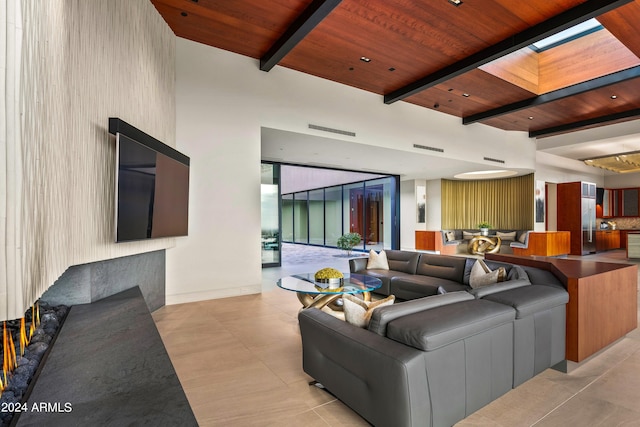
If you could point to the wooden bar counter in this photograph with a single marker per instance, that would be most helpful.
(603, 300)
(546, 243)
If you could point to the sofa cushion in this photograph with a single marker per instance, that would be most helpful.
(442, 266)
(542, 277)
(403, 261)
(429, 330)
(514, 272)
(506, 236)
(531, 299)
(450, 236)
(377, 260)
(382, 316)
(418, 286)
(358, 312)
(481, 275)
(385, 276)
(468, 235)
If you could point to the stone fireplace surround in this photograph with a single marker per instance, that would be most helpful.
(87, 283)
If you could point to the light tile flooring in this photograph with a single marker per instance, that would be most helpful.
(239, 361)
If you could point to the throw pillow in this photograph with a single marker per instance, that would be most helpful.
(523, 237)
(450, 235)
(377, 260)
(468, 235)
(506, 236)
(358, 312)
(481, 275)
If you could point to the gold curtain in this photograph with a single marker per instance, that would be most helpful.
(506, 203)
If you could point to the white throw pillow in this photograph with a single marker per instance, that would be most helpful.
(377, 260)
(481, 275)
(523, 237)
(358, 312)
(506, 236)
(467, 235)
(450, 235)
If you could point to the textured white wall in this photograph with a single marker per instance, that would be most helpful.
(83, 62)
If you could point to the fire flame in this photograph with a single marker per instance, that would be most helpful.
(9, 359)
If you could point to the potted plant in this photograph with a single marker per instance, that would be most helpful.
(484, 227)
(348, 241)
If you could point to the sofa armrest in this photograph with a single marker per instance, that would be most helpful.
(518, 244)
(382, 380)
(358, 264)
(498, 287)
(445, 242)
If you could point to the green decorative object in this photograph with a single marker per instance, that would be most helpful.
(484, 227)
(348, 241)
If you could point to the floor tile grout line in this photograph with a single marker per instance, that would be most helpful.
(586, 386)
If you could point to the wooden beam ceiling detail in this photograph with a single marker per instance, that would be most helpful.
(307, 21)
(600, 82)
(585, 124)
(569, 18)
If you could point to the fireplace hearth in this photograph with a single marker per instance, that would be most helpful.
(108, 367)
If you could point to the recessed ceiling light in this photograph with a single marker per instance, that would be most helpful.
(392, 69)
(614, 96)
(530, 117)
(365, 59)
(455, 2)
(184, 14)
(466, 95)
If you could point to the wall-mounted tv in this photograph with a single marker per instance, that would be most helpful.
(152, 186)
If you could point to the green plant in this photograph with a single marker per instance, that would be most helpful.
(348, 241)
(484, 224)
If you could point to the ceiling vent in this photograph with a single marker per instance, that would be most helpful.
(326, 129)
(489, 159)
(426, 147)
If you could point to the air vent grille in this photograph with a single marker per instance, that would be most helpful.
(426, 147)
(490, 159)
(326, 129)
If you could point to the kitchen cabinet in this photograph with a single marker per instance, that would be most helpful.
(607, 240)
(619, 202)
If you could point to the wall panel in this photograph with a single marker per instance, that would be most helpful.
(82, 62)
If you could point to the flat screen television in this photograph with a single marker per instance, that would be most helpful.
(152, 187)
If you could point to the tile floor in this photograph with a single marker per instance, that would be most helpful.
(239, 361)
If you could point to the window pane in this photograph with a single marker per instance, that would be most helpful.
(333, 214)
(379, 203)
(354, 210)
(300, 218)
(270, 220)
(316, 217)
(287, 218)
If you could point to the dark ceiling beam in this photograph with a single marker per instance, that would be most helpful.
(585, 123)
(307, 21)
(587, 10)
(577, 89)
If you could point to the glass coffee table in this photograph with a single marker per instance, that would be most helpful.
(318, 295)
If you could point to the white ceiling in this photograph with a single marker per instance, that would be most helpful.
(310, 150)
(295, 148)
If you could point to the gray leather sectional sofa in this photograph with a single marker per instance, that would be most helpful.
(435, 359)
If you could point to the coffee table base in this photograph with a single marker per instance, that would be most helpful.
(325, 300)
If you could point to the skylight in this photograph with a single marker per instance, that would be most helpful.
(577, 31)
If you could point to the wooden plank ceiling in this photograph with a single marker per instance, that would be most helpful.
(410, 41)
